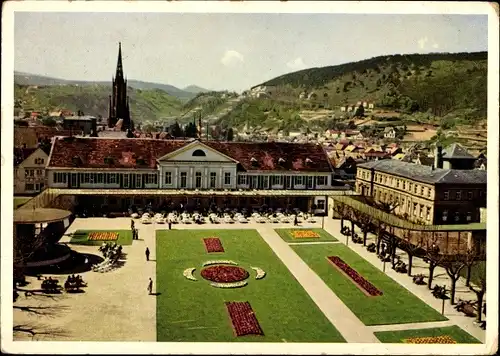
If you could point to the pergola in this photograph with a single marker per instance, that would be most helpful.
(441, 244)
(45, 198)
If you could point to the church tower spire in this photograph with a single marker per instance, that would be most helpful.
(119, 65)
(119, 106)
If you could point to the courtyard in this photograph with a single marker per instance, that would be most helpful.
(240, 283)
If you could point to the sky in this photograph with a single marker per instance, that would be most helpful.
(226, 51)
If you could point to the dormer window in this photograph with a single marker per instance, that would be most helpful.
(281, 160)
(254, 161)
(199, 153)
(108, 160)
(140, 161)
(308, 161)
(76, 161)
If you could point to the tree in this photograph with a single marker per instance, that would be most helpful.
(480, 291)
(453, 268)
(360, 111)
(433, 256)
(49, 121)
(230, 134)
(412, 244)
(175, 130)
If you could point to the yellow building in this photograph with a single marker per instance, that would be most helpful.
(424, 194)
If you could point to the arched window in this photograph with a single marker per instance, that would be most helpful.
(199, 153)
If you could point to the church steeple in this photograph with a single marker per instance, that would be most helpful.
(119, 65)
(119, 106)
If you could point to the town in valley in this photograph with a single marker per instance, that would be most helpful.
(333, 202)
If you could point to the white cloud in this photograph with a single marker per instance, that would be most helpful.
(422, 42)
(296, 64)
(435, 45)
(231, 58)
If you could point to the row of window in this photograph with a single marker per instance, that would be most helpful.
(39, 160)
(399, 183)
(456, 217)
(198, 179)
(458, 195)
(279, 180)
(34, 173)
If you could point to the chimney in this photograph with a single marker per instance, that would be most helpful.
(93, 127)
(438, 157)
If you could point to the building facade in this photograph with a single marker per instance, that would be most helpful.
(29, 170)
(103, 163)
(424, 194)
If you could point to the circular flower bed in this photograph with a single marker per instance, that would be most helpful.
(224, 274)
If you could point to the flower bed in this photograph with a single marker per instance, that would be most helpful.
(359, 280)
(229, 285)
(243, 319)
(103, 236)
(304, 234)
(213, 244)
(218, 262)
(188, 273)
(443, 339)
(224, 274)
(260, 273)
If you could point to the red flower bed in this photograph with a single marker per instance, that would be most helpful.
(243, 319)
(224, 274)
(213, 244)
(355, 276)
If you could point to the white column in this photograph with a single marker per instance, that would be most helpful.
(221, 178)
(205, 180)
(191, 178)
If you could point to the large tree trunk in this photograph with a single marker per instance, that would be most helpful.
(365, 235)
(453, 289)
(410, 261)
(480, 297)
(341, 224)
(431, 275)
(379, 240)
(467, 280)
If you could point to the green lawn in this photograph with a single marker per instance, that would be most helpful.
(455, 332)
(396, 306)
(81, 237)
(20, 201)
(195, 311)
(286, 234)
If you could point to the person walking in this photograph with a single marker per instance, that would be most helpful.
(295, 221)
(147, 254)
(170, 224)
(150, 286)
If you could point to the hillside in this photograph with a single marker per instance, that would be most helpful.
(33, 79)
(195, 89)
(445, 89)
(152, 104)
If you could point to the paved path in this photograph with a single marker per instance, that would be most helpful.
(351, 328)
(116, 305)
(440, 277)
(411, 326)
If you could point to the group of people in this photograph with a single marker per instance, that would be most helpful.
(50, 284)
(74, 282)
(135, 232)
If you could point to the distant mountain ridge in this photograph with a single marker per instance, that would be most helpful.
(189, 92)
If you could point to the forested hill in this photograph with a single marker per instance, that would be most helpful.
(316, 77)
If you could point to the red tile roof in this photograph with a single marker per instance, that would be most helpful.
(129, 153)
